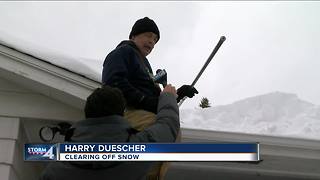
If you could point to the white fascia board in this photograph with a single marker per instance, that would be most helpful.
(282, 157)
(269, 145)
(45, 73)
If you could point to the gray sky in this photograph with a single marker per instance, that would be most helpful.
(270, 46)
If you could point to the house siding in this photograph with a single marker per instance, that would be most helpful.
(9, 130)
(16, 101)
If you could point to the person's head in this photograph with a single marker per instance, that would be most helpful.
(105, 101)
(145, 34)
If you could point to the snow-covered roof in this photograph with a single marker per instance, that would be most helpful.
(275, 114)
(67, 62)
(50, 79)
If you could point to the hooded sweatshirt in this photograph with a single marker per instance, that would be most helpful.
(116, 129)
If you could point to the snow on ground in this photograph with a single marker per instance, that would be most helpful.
(276, 114)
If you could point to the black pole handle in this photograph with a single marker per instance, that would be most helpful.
(215, 50)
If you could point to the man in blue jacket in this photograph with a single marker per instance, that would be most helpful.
(128, 69)
(105, 123)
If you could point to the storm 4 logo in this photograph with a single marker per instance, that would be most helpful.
(39, 152)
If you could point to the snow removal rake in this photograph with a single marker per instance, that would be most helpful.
(222, 39)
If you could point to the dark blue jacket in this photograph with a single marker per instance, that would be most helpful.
(126, 69)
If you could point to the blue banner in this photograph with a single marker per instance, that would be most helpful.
(142, 152)
(158, 148)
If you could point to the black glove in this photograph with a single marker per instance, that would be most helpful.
(186, 90)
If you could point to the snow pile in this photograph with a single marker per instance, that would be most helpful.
(82, 66)
(276, 114)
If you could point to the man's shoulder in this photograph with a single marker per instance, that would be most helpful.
(126, 46)
(124, 51)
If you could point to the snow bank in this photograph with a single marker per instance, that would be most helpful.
(276, 114)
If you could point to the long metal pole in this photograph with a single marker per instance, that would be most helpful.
(222, 39)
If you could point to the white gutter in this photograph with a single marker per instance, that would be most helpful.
(282, 158)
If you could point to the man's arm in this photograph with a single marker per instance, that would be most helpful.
(115, 73)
